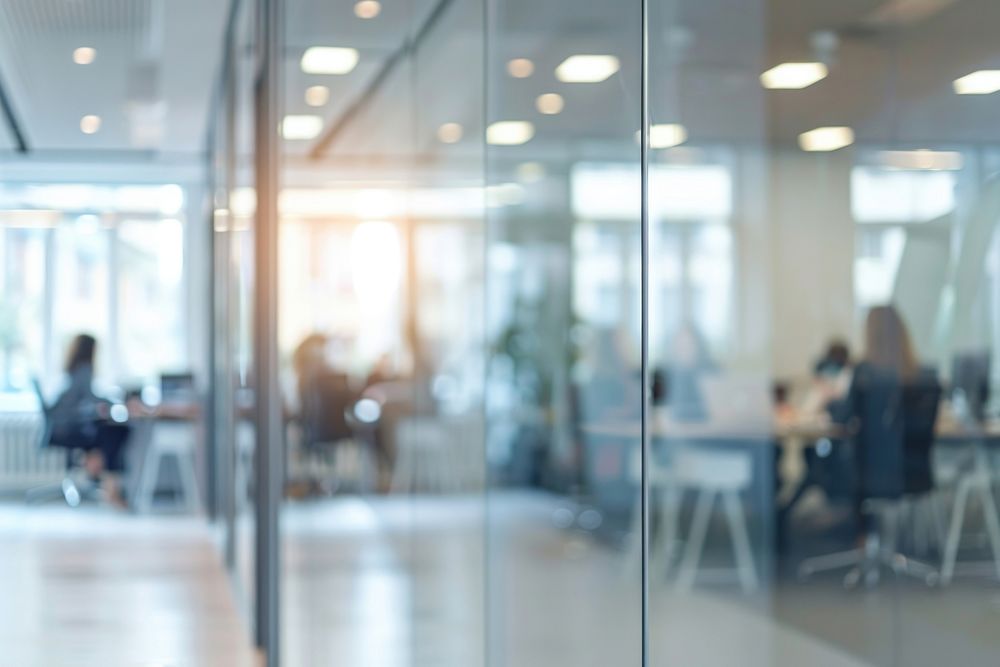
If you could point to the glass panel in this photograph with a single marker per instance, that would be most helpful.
(822, 325)
(563, 327)
(234, 218)
(381, 335)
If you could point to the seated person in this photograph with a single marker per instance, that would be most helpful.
(827, 466)
(831, 378)
(81, 421)
(889, 365)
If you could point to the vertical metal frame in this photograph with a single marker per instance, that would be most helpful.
(644, 328)
(225, 405)
(269, 450)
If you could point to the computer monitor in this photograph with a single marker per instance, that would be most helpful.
(970, 381)
(177, 388)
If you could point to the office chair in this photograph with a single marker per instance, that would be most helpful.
(71, 491)
(892, 451)
(326, 400)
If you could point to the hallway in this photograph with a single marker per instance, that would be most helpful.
(95, 587)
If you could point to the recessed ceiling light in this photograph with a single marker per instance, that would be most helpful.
(329, 60)
(520, 68)
(510, 132)
(983, 82)
(450, 133)
(317, 96)
(793, 76)
(922, 159)
(667, 135)
(90, 124)
(550, 103)
(826, 139)
(84, 55)
(301, 127)
(530, 172)
(367, 9)
(586, 68)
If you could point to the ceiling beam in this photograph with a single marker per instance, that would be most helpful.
(10, 116)
(337, 127)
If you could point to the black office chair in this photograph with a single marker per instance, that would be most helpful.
(326, 399)
(71, 491)
(892, 439)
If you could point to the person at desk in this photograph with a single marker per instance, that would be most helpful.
(826, 465)
(81, 420)
(889, 364)
(323, 393)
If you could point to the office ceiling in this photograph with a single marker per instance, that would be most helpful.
(892, 63)
(150, 82)
(891, 67)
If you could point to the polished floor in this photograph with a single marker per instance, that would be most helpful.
(93, 586)
(394, 582)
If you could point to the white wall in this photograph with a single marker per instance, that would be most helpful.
(812, 256)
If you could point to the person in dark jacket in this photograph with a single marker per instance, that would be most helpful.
(81, 420)
(888, 369)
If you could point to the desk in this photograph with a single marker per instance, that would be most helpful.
(792, 432)
(170, 430)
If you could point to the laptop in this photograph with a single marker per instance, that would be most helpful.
(740, 401)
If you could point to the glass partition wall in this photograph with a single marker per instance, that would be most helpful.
(551, 398)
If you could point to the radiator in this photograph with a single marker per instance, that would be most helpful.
(22, 464)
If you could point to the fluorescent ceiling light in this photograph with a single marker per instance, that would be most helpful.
(504, 194)
(667, 135)
(90, 124)
(510, 132)
(84, 55)
(826, 139)
(520, 68)
(550, 103)
(367, 9)
(450, 133)
(793, 76)
(317, 96)
(329, 60)
(586, 68)
(983, 82)
(301, 127)
(925, 160)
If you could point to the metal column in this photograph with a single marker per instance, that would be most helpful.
(268, 454)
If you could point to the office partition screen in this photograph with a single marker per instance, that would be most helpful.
(658, 332)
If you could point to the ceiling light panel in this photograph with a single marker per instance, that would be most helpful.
(510, 133)
(587, 68)
(667, 135)
(983, 82)
(826, 139)
(301, 127)
(329, 60)
(793, 76)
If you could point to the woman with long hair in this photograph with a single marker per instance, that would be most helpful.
(80, 420)
(887, 343)
(890, 459)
